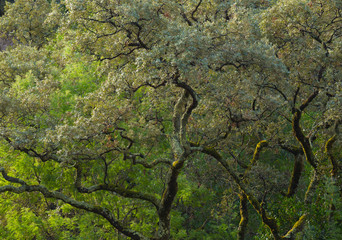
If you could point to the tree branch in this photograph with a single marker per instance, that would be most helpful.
(309, 100)
(297, 130)
(152, 164)
(269, 221)
(168, 197)
(195, 10)
(187, 113)
(297, 227)
(243, 216)
(32, 152)
(328, 150)
(256, 155)
(296, 174)
(292, 149)
(178, 109)
(113, 188)
(104, 212)
(336, 171)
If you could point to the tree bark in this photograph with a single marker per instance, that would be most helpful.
(243, 216)
(296, 174)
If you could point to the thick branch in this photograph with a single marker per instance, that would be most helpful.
(168, 198)
(128, 193)
(177, 148)
(328, 150)
(178, 110)
(256, 155)
(104, 212)
(292, 149)
(187, 113)
(336, 172)
(295, 97)
(309, 100)
(297, 227)
(311, 190)
(243, 216)
(296, 174)
(304, 141)
(270, 222)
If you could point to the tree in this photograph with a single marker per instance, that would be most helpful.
(30, 22)
(2, 6)
(125, 103)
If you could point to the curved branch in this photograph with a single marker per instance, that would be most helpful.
(152, 164)
(303, 140)
(197, 147)
(186, 115)
(32, 152)
(270, 222)
(256, 155)
(134, 156)
(101, 58)
(328, 150)
(274, 87)
(162, 84)
(306, 145)
(11, 179)
(113, 188)
(178, 109)
(309, 100)
(104, 212)
(297, 227)
(292, 149)
(195, 10)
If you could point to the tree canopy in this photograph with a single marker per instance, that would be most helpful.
(157, 119)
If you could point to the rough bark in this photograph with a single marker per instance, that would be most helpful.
(297, 227)
(336, 171)
(311, 190)
(243, 216)
(181, 151)
(296, 174)
(306, 145)
(303, 140)
(167, 200)
(256, 155)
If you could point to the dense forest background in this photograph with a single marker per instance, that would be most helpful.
(161, 119)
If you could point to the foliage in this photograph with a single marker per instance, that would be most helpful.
(160, 119)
